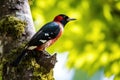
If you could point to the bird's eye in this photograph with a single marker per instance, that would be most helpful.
(65, 17)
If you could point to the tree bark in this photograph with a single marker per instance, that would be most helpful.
(16, 28)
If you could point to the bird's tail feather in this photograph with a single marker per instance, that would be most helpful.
(19, 58)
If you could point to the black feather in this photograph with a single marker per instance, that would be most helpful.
(51, 28)
(18, 59)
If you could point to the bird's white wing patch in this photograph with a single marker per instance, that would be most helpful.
(46, 34)
(31, 47)
(43, 41)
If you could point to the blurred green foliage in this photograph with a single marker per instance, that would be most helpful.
(93, 40)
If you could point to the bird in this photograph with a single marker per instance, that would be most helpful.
(46, 36)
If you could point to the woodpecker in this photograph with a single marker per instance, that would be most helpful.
(46, 36)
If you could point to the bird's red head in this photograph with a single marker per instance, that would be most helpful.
(63, 19)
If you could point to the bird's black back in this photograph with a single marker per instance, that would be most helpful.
(47, 32)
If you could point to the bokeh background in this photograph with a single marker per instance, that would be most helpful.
(92, 41)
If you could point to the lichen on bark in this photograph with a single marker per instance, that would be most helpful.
(39, 63)
(12, 26)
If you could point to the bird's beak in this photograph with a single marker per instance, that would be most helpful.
(70, 19)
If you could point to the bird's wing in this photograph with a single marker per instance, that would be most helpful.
(47, 32)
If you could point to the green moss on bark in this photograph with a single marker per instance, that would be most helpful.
(40, 75)
(13, 54)
(27, 63)
(12, 26)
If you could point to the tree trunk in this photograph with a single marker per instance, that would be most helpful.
(16, 28)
